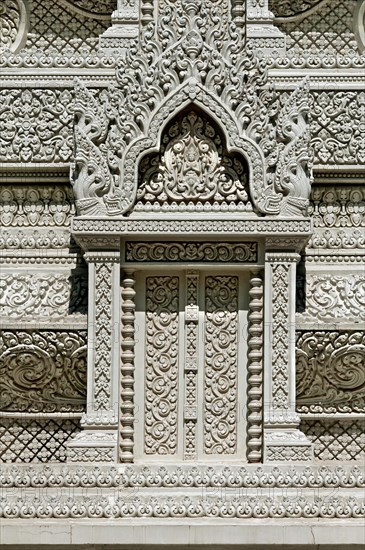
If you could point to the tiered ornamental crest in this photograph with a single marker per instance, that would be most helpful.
(191, 73)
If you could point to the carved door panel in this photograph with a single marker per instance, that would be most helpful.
(191, 365)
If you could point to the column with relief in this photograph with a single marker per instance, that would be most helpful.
(283, 441)
(98, 440)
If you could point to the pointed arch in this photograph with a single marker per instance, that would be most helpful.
(192, 92)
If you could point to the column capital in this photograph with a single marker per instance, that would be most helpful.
(280, 257)
(101, 256)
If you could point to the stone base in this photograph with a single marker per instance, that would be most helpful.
(118, 37)
(287, 445)
(168, 534)
(265, 39)
(93, 446)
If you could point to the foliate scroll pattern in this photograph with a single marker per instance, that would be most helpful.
(42, 371)
(338, 215)
(280, 334)
(330, 371)
(51, 296)
(333, 297)
(37, 125)
(41, 205)
(190, 252)
(35, 440)
(221, 365)
(336, 440)
(191, 365)
(161, 375)
(103, 334)
(192, 168)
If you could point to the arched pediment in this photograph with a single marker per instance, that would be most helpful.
(192, 171)
(193, 95)
(153, 83)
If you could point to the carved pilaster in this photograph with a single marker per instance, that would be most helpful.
(191, 365)
(282, 439)
(126, 428)
(254, 378)
(98, 441)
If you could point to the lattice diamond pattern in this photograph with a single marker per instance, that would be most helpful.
(328, 29)
(336, 439)
(54, 26)
(35, 440)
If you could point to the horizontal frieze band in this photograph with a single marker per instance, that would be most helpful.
(191, 252)
(182, 475)
(300, 227)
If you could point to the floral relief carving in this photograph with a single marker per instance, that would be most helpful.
(103, 334)
(338, 127)
(192, 168)
(280, 334)
(330, 371)
(37, 239)
(37, 125)
(191, 252)
(289, 8)
(333, 297)
(41, 205)
(338, 217)
(189, 64)
(336, 440)
(161, 365)
(50, 296)
(35, 441)
(221, 365)
(42, 371)
(326, 30)
(62, 26)
(13, 24)
(191, 365)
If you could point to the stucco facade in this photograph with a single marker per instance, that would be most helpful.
(182, 278)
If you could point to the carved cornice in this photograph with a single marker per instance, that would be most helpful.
(82, 227)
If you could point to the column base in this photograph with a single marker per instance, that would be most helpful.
(118, 37)
(265, 38)
(93, 446)
(287, 445)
